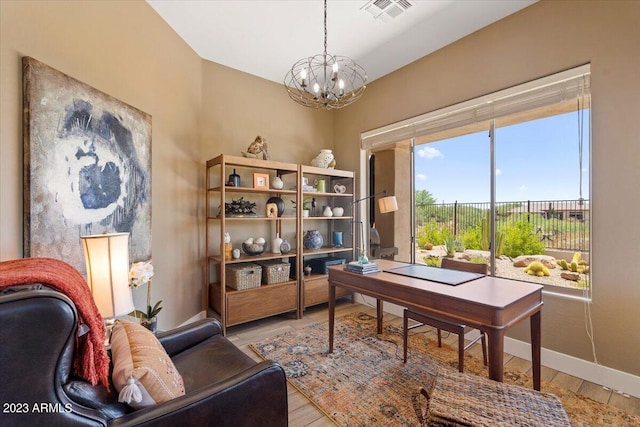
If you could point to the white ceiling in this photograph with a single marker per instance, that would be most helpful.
(266, 37)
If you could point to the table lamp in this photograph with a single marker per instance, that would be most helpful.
(107, 257)
(386, 204)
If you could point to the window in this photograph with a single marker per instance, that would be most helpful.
(519, 157)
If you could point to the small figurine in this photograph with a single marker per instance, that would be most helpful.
(258, 149)
(313, 206)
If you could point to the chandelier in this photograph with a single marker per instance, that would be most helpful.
(324, 80)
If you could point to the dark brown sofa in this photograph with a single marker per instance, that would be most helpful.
(224, 387)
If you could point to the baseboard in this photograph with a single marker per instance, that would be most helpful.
(199, 316)
(620, 382)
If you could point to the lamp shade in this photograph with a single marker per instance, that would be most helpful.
(107, 257)
(388, 204)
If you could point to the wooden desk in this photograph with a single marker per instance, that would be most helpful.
(490, 304)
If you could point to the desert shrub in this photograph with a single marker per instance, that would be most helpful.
(432, 261)
(479, 259)
(434, 233)
(520, 239)
(471, 238)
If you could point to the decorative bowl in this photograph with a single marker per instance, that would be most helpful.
(252, 249)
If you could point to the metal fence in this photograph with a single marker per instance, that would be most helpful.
(560, 224)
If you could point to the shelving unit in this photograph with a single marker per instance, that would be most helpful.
(314, 288)
(233, 306)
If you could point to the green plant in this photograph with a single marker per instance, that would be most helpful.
(536, 268)
(485, 236)
(432, 232)
(520, 239)
(471, 238)
(583, 283)
(450, 245)
(149, 314)
(479, 259)
(577, 265)
(432, 261)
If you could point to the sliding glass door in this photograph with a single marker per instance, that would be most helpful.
(502, 180)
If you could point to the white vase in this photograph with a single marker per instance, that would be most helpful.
(277, 183)
(338, 211)
(324, 159)
(275, 244)
(327, 211)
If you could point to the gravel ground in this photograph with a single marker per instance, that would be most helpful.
(505, 268)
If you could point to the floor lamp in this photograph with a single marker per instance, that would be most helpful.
(107, 257)
(386, 204)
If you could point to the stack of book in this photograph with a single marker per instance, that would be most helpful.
(356, 267)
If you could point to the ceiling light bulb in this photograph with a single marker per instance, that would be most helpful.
(341, 87)
(303, 78)
(316, 88)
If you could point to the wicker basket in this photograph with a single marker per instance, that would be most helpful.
(245, 275)
(458, 399)
(275, 271)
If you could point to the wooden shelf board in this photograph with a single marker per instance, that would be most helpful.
(230, 189)
(253, 258)
(334, 173)
(318, 194)
(326, 250)
(260, 288)
(253, 218)
(239, 161)
(306, 218)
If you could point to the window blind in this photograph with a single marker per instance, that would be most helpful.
(546, 91)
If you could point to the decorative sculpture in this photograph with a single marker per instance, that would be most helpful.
(258, 149)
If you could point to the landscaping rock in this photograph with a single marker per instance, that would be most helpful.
(525, 260)
(472, 253)
(570, 276)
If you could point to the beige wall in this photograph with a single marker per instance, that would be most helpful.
(125, 50)
(238, 106)
(199, 109)
(545, 38)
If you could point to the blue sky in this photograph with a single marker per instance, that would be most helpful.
(536, 160)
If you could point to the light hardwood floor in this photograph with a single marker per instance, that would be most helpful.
(303, 413)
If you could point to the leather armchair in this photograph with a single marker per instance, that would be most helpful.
(224, 386)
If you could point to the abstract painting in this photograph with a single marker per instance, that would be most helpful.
(87, 167)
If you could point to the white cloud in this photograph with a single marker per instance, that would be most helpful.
(429, 153)
(421, 177)
(498, 172)
(523, 188)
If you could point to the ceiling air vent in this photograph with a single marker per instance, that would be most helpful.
(386, 10)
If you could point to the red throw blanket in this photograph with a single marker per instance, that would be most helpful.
(91, 361)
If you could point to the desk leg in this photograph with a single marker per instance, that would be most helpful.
(496, 354)
(332, 314)
(536, 344)
(379, 314)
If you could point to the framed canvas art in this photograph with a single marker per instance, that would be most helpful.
(87, 167)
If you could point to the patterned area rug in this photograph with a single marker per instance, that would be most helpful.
(365, 383)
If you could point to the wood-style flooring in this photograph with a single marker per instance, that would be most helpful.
(304, 413)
